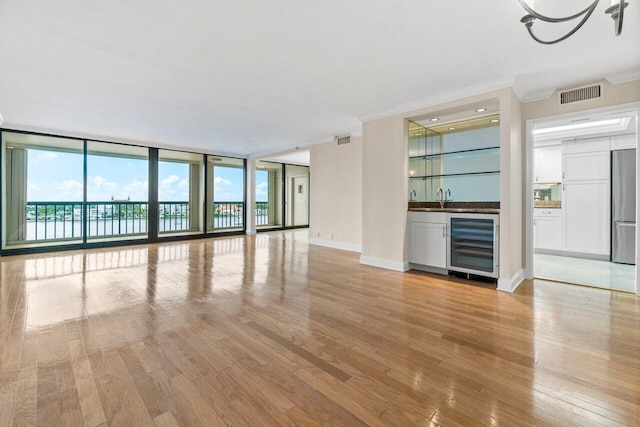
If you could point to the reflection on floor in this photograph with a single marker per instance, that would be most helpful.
(602, 274)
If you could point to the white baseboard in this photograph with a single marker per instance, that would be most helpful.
(384, 263)
(335, 245)
(510, 285)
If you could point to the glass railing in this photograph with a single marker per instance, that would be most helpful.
(63, 220)
(173, 216)
(58, 221)
(228, 215)
(116, 219)
(262, 213)
(53, 221)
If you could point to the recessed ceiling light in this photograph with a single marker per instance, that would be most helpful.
(435, 119)
(494, 121)
(481, 110)
(418, 134)
(452, 128)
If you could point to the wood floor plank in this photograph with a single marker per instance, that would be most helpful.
(165, 420)
(90, 404)
(310, 357)
(7, 403)
(268, 330)
(191, 399)
(26, 410)
(48, 402)
(341, 399)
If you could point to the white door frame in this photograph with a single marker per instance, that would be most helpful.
(529, 153)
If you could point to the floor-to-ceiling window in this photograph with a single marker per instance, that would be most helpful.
(226, 196)
(117, 191)
(61, 192)
(180, 192)
(297, 195)
(269, 189)
(42, 180)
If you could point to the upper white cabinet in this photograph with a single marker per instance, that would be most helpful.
(548, 164)
(586, 160)
(428, 239)
(586, 166)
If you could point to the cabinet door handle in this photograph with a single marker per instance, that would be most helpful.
(534, 222)
(563, 174)
(444, 231)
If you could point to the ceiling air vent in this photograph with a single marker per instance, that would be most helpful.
(579, 94)
(341, 140)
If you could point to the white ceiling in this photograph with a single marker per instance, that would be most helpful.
(248, 76)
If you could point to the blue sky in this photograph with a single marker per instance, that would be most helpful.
(57, 176)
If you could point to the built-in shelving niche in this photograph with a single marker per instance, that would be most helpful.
(465, 159)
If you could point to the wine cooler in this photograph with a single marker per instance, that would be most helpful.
(473, 244)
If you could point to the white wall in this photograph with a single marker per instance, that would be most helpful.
(512, 175)
(385, 192)
(336, 195)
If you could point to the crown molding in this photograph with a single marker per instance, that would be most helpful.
(539, 95)
(623, 77)
(441, 99)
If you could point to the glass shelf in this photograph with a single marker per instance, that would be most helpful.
(476, 150)
(464, 163)
(452, 174)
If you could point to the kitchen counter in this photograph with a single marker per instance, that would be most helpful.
(553, 204)
(457, 210)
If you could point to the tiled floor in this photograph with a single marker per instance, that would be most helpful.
(602, 274)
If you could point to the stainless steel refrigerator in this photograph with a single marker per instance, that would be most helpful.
(623, 206)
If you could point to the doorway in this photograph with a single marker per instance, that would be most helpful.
(300, 200)
(582, 199)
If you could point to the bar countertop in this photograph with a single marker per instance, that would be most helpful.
(457, 207)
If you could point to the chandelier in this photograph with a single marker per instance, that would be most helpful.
(616, 10)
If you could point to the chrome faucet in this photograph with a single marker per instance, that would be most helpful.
(443, 196)
(412, 195)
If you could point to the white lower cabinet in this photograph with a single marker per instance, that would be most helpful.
(428, 239)
(586, 217)
(547, 230)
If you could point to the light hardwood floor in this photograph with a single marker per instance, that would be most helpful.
(267, 330)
